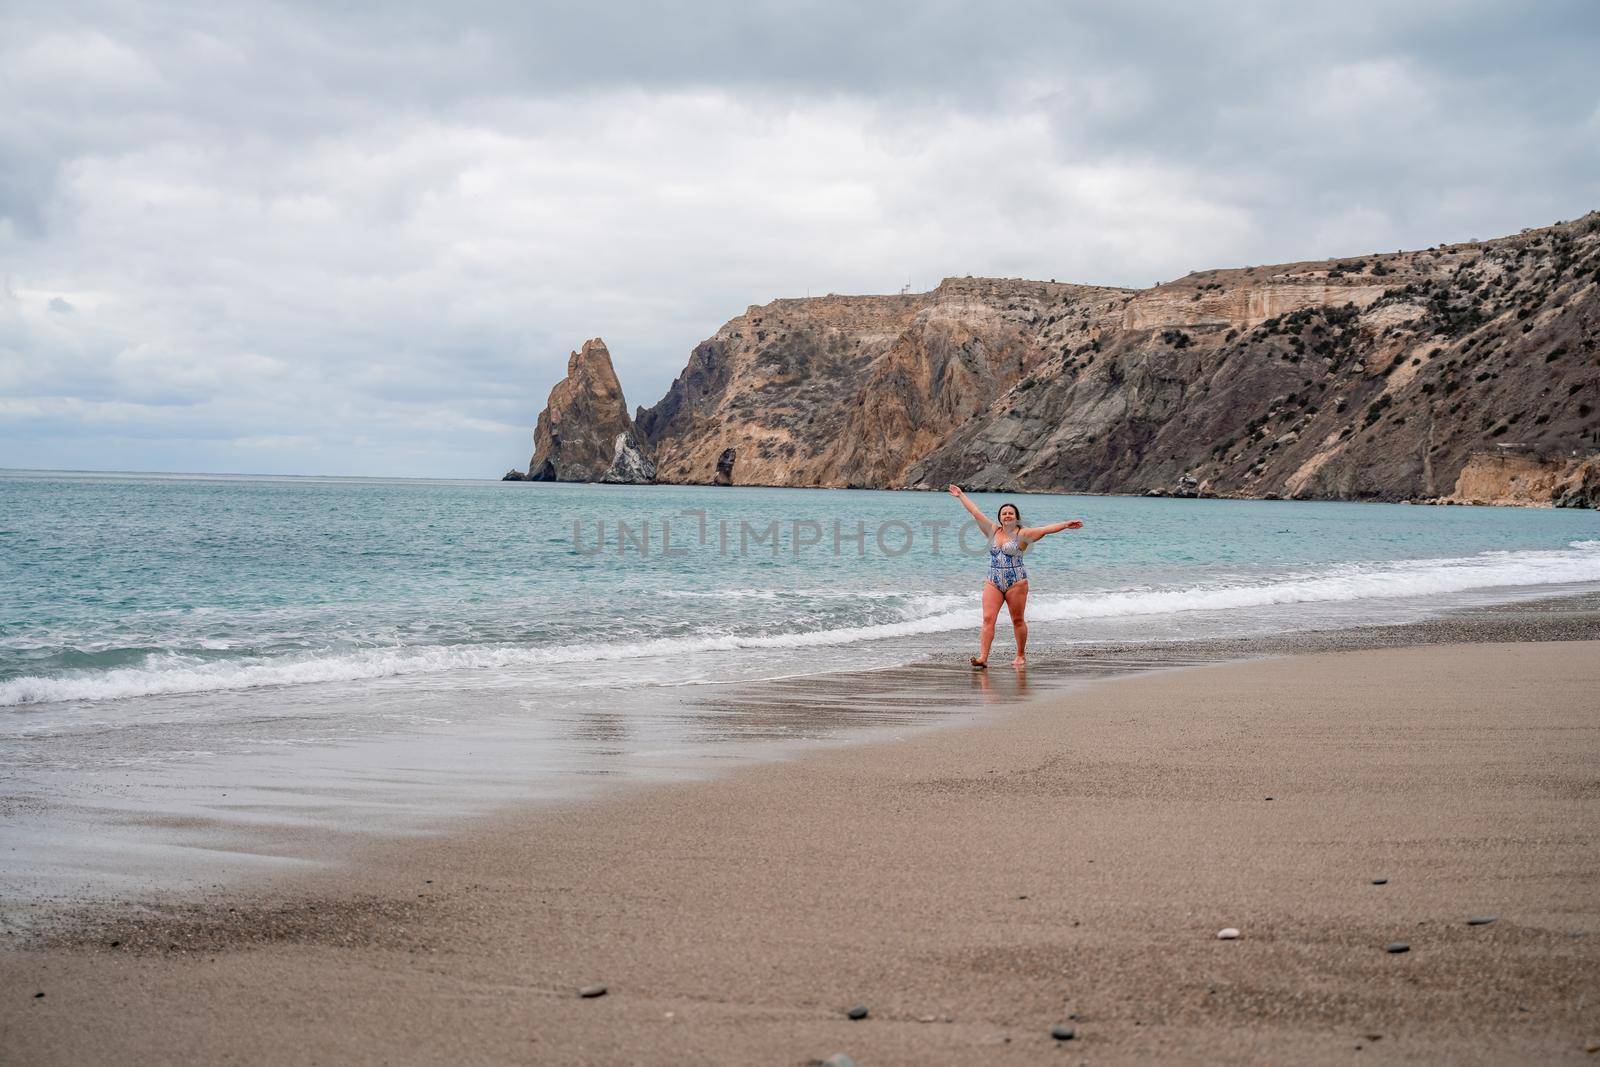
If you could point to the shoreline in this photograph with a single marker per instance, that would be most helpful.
(942, 874)
(1147, 495)
(1271, 498)
(110, 835)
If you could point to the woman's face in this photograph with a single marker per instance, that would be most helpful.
(1008, 516)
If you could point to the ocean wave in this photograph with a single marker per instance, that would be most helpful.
(784, 594)
(927, 613)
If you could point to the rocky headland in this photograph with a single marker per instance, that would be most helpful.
(1461, 373)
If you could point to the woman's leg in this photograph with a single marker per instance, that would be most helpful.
(992, 599)
(1017, 602)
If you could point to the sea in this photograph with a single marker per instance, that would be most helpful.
(355, 640)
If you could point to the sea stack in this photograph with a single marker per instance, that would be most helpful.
(584, 433)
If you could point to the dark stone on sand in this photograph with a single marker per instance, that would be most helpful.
(857, 1012)
(1397, 946)
(1063, 1033)
(1380, 881)
(1481, 920)
(36, 996)
(590, 991)
(1272, 798)
(1073, 1016)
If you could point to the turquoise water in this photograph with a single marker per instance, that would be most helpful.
(119, 587)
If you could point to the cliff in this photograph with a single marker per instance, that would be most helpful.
(851, 391)
(1510, 477)
(584, 433)
(1384, 377)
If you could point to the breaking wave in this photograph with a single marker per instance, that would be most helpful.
(168, 673)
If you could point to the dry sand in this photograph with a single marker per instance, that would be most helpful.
(972, 886)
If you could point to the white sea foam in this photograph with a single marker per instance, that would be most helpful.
(926, 613)
(1403, 579)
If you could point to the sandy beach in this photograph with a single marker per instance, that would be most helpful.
(820, 535)
(1064, 861)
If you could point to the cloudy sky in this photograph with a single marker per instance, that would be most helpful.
(361, 238)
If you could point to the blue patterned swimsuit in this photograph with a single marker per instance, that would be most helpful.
(1005, 564)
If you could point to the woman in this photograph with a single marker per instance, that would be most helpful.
(1008, 579)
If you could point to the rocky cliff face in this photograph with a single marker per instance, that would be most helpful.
(1372, 378)
(851, 391)
(629, 464)
(1511, 477)
(1381, 377)
(584, 433)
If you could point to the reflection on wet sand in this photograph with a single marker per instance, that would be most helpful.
(160, 805)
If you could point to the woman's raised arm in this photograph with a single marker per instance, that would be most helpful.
(1033, 533)
(986, 524)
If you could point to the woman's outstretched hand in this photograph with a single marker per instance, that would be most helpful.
(955, 490)
(1075, 524)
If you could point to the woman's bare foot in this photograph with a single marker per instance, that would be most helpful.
(1020, 662)
(979, 665)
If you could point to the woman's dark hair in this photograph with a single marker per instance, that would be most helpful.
(1013, 507)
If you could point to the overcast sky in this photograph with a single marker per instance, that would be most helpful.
(280, 238)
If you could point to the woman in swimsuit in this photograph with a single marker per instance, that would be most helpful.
(1008, 579)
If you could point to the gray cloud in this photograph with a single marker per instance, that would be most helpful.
(363, 239)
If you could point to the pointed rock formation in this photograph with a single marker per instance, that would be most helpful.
(584, 430)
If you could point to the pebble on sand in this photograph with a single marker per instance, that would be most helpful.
(1227, 933)
(1397, 946)
(1380, 881)
(1063, 1033)
(596, 990)
(1481, 920)
(857, 1012)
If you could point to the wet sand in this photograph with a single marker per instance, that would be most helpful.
(1070, 855)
